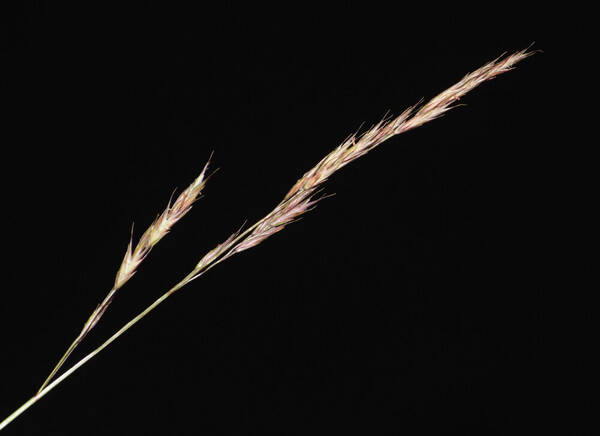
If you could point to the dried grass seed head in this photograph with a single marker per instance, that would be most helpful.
(159, 228)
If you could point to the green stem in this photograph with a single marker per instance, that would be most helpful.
(91, 322)
(47, 387)
(17, 412)
(74, 368)
(61, 361)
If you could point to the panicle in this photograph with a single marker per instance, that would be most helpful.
(160, 228)
(299, 198)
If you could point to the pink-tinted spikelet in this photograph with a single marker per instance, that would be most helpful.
(216, 252)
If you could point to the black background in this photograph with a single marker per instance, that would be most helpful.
(407, 303)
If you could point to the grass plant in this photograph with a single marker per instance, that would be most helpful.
(301, 198)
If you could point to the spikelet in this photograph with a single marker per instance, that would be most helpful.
(216, 252)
